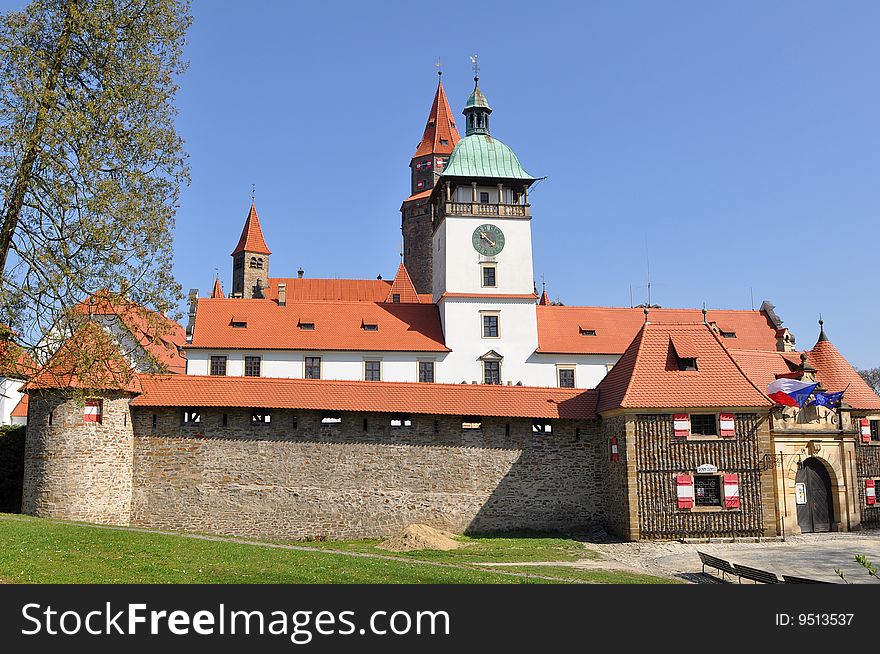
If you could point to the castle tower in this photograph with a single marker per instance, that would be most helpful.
(426, 165)
(250, 260)
(482, 276)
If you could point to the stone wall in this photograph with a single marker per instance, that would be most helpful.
(867, 467)
(417, 242)
(297, 478)
(661, 457)
(76, 470)
(620, 507)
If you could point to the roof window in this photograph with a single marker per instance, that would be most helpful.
(726, 334)
(239, 323)
(370, 327)
(586, 332)
(306, 326)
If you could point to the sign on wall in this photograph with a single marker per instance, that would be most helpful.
(706, 469)
(800, 493)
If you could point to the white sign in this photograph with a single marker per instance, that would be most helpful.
(800, 493)
(706, 468)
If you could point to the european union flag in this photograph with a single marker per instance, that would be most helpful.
(828, 400)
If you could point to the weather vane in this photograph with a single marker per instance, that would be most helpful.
(439, 65)
(253, 192)
(476, 67)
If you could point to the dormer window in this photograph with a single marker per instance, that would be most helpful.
(239, 323)
(306, 326)
(687, 363)
(583, 331)
(443, 142)
(725, 334)
(395, 298)
(685, 352)
(370, 327)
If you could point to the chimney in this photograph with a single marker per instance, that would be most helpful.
(300, 273)
(282, 295)
(193, 305)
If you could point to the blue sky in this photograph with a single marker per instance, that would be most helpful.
(736, 145)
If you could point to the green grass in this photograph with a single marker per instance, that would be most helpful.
(506, 548)
(34, 550)
(563, 573)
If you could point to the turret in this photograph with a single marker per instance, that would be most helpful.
(250, 260)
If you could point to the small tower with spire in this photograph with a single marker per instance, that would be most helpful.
(429, 160)
(250, 259)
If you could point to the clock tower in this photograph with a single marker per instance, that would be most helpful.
(482, 278)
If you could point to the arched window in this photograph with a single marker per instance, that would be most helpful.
(253, 262)
(260, 264)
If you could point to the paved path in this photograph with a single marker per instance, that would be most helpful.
(811, 555)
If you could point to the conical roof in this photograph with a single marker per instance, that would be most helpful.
(251, 239)
(441, 134)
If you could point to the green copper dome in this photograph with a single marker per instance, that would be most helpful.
(477, 99)
(480, 155)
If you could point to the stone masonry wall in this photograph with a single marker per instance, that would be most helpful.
(296, 478)
(867, 467)
(74, 470)
(418, 255)
(617, 495)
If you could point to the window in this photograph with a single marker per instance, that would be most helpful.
(489, 276)
(395, 298)
(225, 419)
(252, 366)
(875, 430)
(307, 326)
(51, 418)
(586, 332)
(420, 184)
(426, 371)
(725, 334)
(253, 262)
(703, 424)
(333, 418)
(155, 420)
(491, 372)
(261, 417)
(471, 422)
(218, 365)
(239, 324)
(490, 326)
(313, 367)
(707, 490)
(566, 377)
(687, 363)
(442, 142)
(428, 164)
(370, 327)
(372, 371)
(542, 427)
(191, 416)
(484, 197)
(401, 421)
(93, 411)
(294, 422)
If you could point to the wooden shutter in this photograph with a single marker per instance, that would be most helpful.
(684, 486)
(615, 450)
(865, 430)
(727, 428)
(870, 492)
(731, 491)
(681, 425)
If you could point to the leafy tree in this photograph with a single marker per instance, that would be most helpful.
(90, 162)
(872, 378)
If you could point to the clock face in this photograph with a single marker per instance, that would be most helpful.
(488, 240)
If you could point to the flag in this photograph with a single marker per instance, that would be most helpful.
(790, 392)
(828, 400)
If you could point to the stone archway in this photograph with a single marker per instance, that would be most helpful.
(816, 490)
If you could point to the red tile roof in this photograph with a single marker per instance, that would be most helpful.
(439, 128)
(647, 375)
(559, 328)
(21, 409)
(303, 289)
(160, 336)
(217, 292)
(90, 359)
(385, 397)
(15, 362)
(338, 326)
(836, 374)
(252, 235)
(545, 299)
(420, 195)
(403, 287)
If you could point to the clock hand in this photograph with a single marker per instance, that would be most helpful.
(489, 240)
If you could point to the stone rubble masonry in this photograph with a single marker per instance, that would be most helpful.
(417, 243)
(340, 481)
(867, 467)
(76, 470)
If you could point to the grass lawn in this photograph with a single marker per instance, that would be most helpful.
(34, 550)
(506, 548)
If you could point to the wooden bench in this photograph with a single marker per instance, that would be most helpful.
(755, 575)
(789, 579)
(714, 562)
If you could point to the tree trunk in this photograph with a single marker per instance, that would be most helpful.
(23, 176)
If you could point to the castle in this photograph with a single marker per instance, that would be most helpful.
(453, 395)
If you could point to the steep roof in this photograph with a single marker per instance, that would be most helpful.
(403, 287)
(560, 328)
(441, 134)
(763, 367)
(15, 362)
(647, 375)
(836, 374)
(304, 289)
(251, 239)
(21, 409)
(386, 397)
(217, 292)
(337, 326)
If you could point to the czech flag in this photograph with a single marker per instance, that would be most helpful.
(790, 392)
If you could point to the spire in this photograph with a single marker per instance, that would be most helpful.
(822, 335)
(441, 134)
(218, 289)
(545, 299)
(402, 288)
(477, 108)
(252, 236)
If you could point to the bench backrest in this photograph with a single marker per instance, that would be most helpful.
(756, 575)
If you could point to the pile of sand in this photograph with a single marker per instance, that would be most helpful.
(420, 537)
